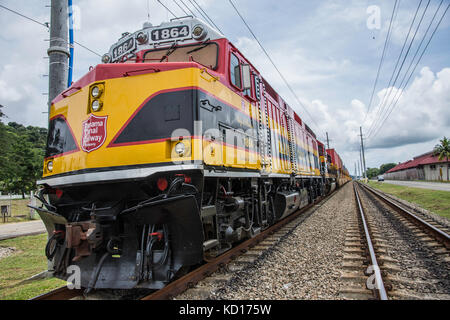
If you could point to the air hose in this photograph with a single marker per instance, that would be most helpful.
(96, 273)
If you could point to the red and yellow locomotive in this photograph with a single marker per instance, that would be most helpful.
(172, 150)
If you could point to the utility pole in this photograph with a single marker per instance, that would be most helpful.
(359, 170)
(328, 142)
(361, 164)
(363, 156)
(58, 52)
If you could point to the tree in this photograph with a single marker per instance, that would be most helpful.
(21, 157)
(442, 151)
(386, 167)
(372, 172)
(4, 147)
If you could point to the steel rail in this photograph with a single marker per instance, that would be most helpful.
(379, 288)
(62, 293)
(436, 232)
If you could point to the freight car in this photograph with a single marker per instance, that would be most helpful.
(168, 153)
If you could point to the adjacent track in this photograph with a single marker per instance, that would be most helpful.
(439, 234)
(410, 253)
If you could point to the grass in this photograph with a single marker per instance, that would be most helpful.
(19, 210)
(433, 200)
(28, 259)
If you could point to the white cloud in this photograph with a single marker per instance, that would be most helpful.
(421, 117)
(324, 49)
(422, 113)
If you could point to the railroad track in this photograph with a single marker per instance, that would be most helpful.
(215, 272)
(62, 293)
(410, 252)
(203, 282)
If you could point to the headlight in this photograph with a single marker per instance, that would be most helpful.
(106, 58)
(96, 92)
(142, 37)
(50, 166)
(199, 32)
(180, 148)
(96, 105)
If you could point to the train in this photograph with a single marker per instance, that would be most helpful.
(167, 154)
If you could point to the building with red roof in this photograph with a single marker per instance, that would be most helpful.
(423, 167)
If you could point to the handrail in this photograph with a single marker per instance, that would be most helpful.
(209, 74)
(127, 73)
(64, 93)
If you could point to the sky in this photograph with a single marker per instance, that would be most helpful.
(329, 52)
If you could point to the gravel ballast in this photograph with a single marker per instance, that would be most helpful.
(306, 264)
(6, 251)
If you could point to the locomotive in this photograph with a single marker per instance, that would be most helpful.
(168, 153)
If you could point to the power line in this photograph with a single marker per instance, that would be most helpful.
(389, 103)
(182, 9)
(417, 63)
(381, 60)
(382, 103)
(24, 16)
(212, 21)
(188, 8)
(46, 25)
(167, 8)
(273, 63)
(386, 95)
(86, 48)
(415, 55)
(198, 10)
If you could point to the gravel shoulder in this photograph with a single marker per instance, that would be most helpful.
(306, 264)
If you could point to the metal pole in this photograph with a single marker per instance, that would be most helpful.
(328, 142)
(363, 156)
(359, 170)
(70, 70)
(361, 167)
(58, 52)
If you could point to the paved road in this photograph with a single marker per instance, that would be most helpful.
(422, 184)
(13, 230)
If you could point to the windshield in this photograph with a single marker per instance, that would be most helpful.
(205, 54)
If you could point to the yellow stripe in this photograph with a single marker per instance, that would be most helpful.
(119, 107)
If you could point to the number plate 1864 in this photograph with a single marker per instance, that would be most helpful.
(123, 48)
(170, 33)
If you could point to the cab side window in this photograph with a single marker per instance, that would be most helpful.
(235, 71)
